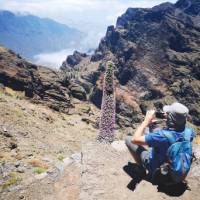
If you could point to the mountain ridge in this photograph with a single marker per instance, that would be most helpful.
(30, 35)
(156, 53)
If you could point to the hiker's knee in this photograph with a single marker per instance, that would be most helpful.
(128, 141)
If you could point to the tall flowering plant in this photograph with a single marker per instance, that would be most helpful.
(107, 119)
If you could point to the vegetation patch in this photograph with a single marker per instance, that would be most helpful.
(38, 170)
(60, 157)
(9, 91)
(12, 180)
(38, 164)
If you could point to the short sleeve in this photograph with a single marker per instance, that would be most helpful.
(155, 139)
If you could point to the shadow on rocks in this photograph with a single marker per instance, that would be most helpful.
(175, 190)
(137, 173)
(165, 185)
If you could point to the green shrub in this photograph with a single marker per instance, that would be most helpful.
(60, 157)
(11, 180)
(38, 170)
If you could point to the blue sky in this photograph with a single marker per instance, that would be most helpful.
(90, 16)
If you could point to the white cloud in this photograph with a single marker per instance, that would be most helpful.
(54, 59)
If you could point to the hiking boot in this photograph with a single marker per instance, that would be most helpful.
(135, 171)
(141, 171)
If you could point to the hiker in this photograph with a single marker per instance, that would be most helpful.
(170, 151)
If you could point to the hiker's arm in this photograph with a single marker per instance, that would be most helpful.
(139, 137)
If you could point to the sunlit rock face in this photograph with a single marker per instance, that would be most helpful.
(156, 53)
(42, 84)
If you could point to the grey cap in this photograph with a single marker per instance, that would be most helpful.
(176, 108)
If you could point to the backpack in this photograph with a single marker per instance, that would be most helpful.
(179, 155)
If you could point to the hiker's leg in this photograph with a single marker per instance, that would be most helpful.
(136, 151)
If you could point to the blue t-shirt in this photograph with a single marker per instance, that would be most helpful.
(159, 145)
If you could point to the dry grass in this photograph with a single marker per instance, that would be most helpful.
(9, 91)
(197, 139)
(126, 96)
(60, 157)
(38, 164)
(12, 179)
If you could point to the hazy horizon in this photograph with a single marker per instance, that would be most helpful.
(89, 16)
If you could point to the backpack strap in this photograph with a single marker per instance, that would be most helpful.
(187, 134)
(171, 138)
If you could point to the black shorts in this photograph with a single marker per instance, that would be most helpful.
(139, 150)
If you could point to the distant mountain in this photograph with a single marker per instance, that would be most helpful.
(29, 35)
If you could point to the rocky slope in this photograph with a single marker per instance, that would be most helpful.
(41, 84)
(156, 52)
(35, 144)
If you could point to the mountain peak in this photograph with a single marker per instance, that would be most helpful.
(191, 7)
(163, 6)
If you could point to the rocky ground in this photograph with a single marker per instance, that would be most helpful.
(35, 139)
(47, 155)
(104, 176)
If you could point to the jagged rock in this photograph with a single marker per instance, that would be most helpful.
(76, 157)
(96, 97)
(5, 132)
(72, 60)
(156, 53)
(124, 121)
(21, 197)
(97, 56)
(89, 121)
(13, 145)
(78, 92)
(21, 169)
(40, 83)
(2, 87)
(86, 109)
(86, 85)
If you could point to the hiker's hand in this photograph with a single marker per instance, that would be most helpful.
(150, 116)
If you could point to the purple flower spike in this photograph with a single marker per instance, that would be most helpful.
(107, 120)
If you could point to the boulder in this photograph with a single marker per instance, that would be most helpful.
(78, 92)
(72, 60)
